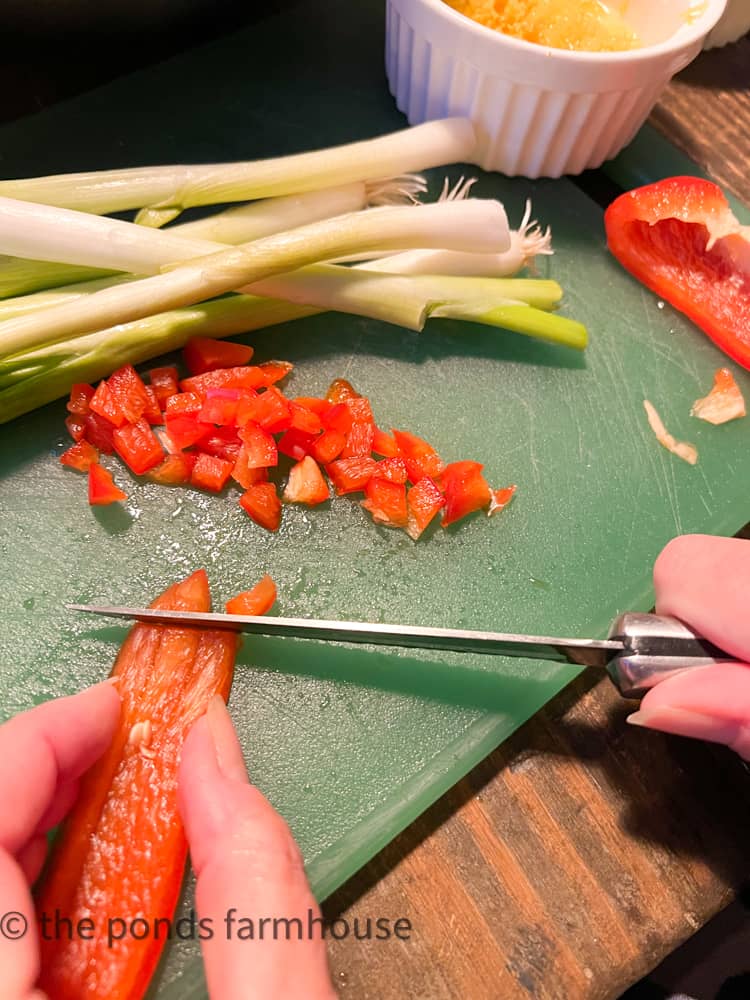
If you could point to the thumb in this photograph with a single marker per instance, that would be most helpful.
(706, 703)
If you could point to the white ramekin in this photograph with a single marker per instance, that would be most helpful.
(538, 112)
(733, 25)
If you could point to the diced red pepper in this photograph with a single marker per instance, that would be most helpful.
(305, 420)
(99, 432)
(256, 601)
(153, 413)
(165, 382)
(360, 409)
(102, 490)
(306, 484)
(420, 458)
(260, 448)
(210, 473)
(81, 395)
(76, 426)
(386, 501)
(138, 446)
(129, 392)
(314, 403)
(275, 371)
(499, 499)
(184, 429)
(204, 354)
(174, 470)
(262, 504)
(80, 456)
(220, 406)
(223, 442)
(247, 475)
(184, 402)
(358, 440)
(249, 377)
(392, 469)
(328, 446)
(680, 239)
(338, 418)
(384, 444)
(423, 501)
(350, 475)
(270, 409)
(339, 390)
(466, 490)
(296, 444)
(104, 404)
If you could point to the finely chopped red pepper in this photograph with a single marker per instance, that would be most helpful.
(229, 423)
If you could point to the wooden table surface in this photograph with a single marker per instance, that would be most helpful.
(581, 852)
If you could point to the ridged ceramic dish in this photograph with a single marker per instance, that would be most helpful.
(539, 112)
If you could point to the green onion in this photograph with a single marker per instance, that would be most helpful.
(165, 191)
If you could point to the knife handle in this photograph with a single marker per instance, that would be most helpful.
(656, 647)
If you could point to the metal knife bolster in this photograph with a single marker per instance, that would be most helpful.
(656, 647)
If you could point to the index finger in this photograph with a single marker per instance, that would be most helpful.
(705, 581)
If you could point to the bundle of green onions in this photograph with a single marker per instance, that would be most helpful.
(126, 293)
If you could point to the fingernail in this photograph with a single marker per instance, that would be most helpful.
(114, 681)
(228, 751)
(683, 722)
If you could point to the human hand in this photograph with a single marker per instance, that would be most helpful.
(705, 582)
(43, 753)
(246, 863)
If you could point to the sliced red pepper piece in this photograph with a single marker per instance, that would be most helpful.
(81, 395)
(328, 446)
(420, 458)
(349, 475)
(204, 354)
(680, 239)
(184, 402)
(359, 439)
(104, 404)
(314, 403)
(296, 444)
(306, 484)
(224, 442)
(174, 470)
(338, 418)
(220, 406)
(99, 432)
(386, 501)
(275, 371)
(423, 501)
(128, 392)
(500, 499)
(102, 490)
(360, 409)
(249, 377)
(256, 601)
(270, 409)
(76, 426)
(466, 490)
(260, 448)
(384, 444)
(80, 456)
(123, 849)
(138, 446)
(262, 504)
(340, 390)
(304, 419)
(165, 382)
(153, 413)
(247, 475)
(392, 469)
(184, 429)
(211, 473)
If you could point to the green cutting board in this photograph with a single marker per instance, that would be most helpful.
(352, 744)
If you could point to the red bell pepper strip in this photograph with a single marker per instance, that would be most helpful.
(256, 601)
(122, 852)
(204, 354)
(680, 239)
(102, 490)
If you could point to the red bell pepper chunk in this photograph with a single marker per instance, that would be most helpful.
(174, 470)
(184, 429)
(80, 456)
(123, 848)
(340, 390)
(104, 404)
(262, 504)
(247, 475)
(349, 475)
(338, 418)
(306, 484)
(81, 395)
(220, 406)
(304, 419)
(165, 382)
(420, 458)
(260, 448)
(296, 444)
(211, 473)
(499, 499)
(423, 501)
(204, 354)
(270, 409)
(386, 501)
(256, 601)
(680, 239)
(128, 392)
(76, 426)
(223, 442)
(384, 444)
(184, 402)
(314, 403)
(102, 490)
(328, 446)
(249, 377)
(358, 440)
(392, 469)
(466, 490)
(275, 371)
(360, 409)
(138, 446)
(153, 413)
(99, 432)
